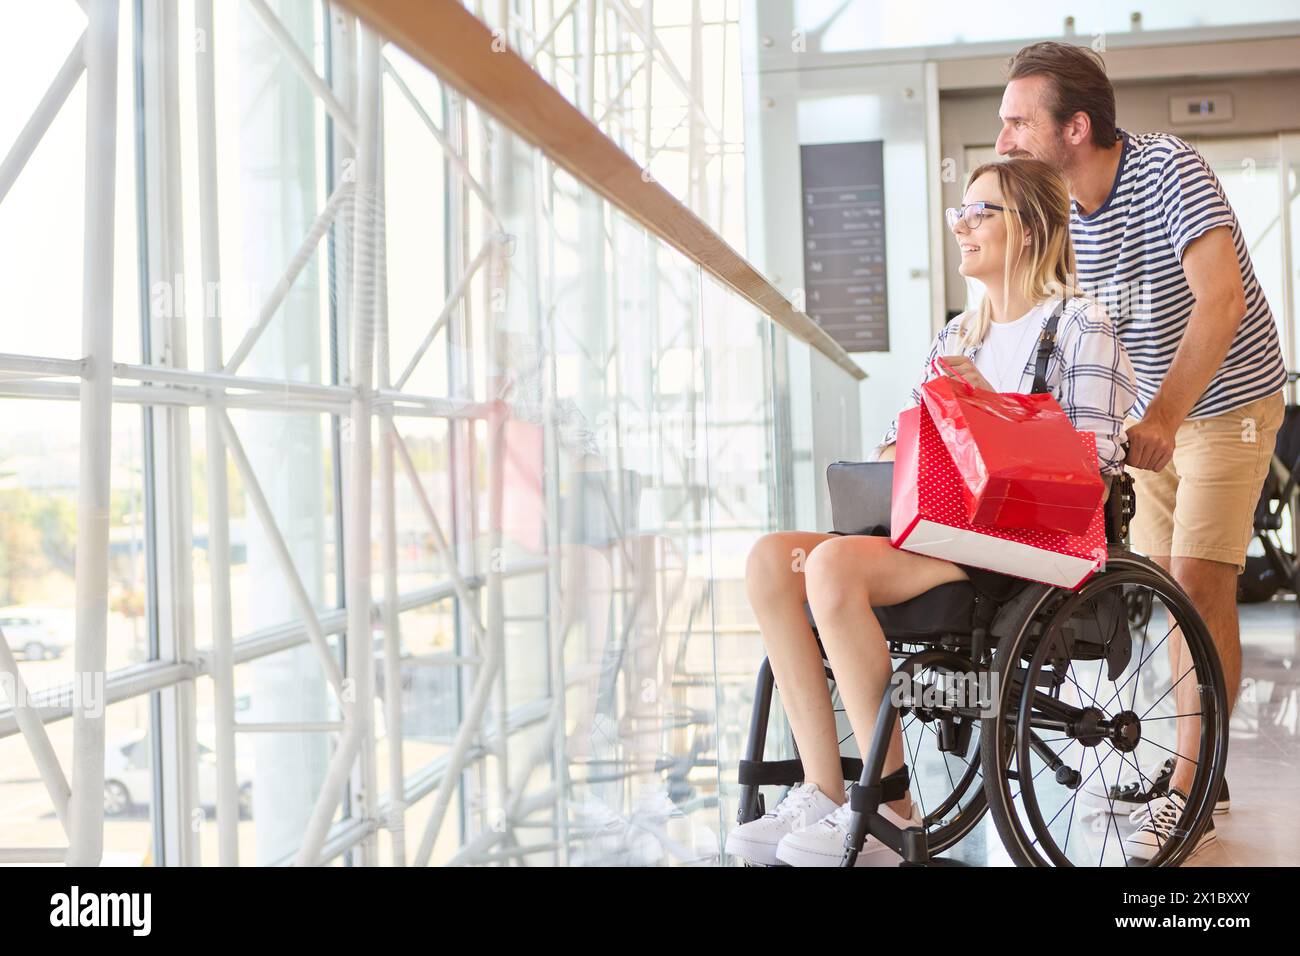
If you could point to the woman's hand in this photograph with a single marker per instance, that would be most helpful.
(965, 369)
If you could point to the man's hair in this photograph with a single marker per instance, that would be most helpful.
(1077, 82)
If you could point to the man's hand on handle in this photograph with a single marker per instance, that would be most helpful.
(1150, 444)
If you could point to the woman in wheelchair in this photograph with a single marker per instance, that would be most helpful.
(1013, 234)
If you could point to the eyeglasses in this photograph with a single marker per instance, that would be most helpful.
(973, 214)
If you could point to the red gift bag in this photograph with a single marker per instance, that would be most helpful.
(928, 515)
(1020, 459)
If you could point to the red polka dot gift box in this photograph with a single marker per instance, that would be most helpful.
(929, 515)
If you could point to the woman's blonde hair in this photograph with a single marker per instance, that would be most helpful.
(1038, 206)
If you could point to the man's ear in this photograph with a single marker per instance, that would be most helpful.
(1078, 128)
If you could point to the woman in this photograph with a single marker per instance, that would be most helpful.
(1013, 232)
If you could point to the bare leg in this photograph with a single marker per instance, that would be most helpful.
(847, 577)
(1212, 587)
(774, 580)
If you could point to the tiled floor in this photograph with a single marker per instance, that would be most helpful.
(1261, 829)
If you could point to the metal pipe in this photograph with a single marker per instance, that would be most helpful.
(90, 657)
(38, 741)
(294, 54)
(430, 406)
(358, 704)
(213, 379)
(439, 539)
(396, 810)
(288, 727)
(457, 294)
(223, 668)
(453, 157)
(39, 122)
(42, 365)
(306, 249)
(465, 734)
(281, 551)
(33, 854)
(495, 288)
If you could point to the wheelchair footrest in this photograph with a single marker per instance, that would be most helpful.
(892, 787)
(786, 773)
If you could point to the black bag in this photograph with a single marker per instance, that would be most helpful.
(861, 493)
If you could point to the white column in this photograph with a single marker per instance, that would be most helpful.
(90, 658)
(223, 673)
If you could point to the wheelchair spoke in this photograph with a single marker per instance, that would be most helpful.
(1137, 670)
(1141, 660)
(1085, 693)
(1073, 803)
(1189, 670)
(1174, 752)
(1106, 840)
(919, 795)
(1199, 713)
(1080, 787)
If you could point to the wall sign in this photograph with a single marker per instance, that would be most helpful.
(844, 242)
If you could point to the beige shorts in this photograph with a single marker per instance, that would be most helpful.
(1202, 505)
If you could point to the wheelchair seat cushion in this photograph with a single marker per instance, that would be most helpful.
(946, 609)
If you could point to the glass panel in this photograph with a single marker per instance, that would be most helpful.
(278, 773)
(38, 536)
(27, 816)
(590, 424)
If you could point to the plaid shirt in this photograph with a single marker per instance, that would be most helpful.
(1088, 372)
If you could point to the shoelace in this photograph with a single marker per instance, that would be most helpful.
(838, 819)
(1161, 820)
(796, 803)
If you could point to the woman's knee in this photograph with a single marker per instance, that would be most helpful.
(841, 576)
(774, 566)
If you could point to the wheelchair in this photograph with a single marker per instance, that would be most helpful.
(1030, 709)
(1275, 526)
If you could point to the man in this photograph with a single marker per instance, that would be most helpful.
(1159, 245)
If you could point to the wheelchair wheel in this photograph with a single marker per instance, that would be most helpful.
(941, 745)
(1086, 700)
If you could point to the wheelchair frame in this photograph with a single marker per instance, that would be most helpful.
(997, 630)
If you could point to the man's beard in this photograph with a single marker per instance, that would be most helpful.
(1055, 155)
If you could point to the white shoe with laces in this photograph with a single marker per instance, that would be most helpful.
(756, 841)
(1155, 827)
(822, 843)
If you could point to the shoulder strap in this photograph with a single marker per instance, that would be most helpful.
(1045, 342)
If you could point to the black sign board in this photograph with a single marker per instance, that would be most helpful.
(844, 242)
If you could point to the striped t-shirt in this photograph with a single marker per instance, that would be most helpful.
(1130, 254)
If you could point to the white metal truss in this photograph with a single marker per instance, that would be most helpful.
(605, 34)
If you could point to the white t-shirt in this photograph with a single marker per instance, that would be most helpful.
(1088, 372)
(1009, 347)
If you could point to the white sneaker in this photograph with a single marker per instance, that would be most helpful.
(822, 843)
(1156, 822)
(756, 841)
(1134, 793)
(1132, 796)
